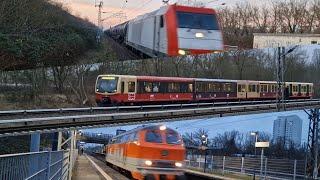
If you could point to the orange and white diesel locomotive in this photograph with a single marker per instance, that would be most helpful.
(171, 31)
(148, 152)
(127, 90)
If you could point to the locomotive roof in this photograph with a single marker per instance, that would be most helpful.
(215, 80)
(140, 128)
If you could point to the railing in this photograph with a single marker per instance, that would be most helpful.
(94, 110)
(45, 165)
(267, 169)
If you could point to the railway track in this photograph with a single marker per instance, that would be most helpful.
(37, 113)
(119, 175)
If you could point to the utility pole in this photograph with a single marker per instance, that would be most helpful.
(279, 70)
(282, 78)
(312, 156)
(99, 32)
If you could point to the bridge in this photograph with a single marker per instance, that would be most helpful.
(59, 163)
(26, 121)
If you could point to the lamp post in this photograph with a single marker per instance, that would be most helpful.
(255, 134)
(204, 144)
(280, 75)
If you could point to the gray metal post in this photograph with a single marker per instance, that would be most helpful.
(279, 79)
(261, 160)
(212, 163)
(48, 165)
(59, 140)
(72, 145)
(265, 168)
(199, 161)
(35, 142)
(242, 163)
(294, 169)
(282, 77)
(223, 164)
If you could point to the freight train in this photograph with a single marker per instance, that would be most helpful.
(148, 152)
(171, 31)
(131, 90)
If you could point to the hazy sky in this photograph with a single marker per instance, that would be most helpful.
(244, 124)
(86, 8)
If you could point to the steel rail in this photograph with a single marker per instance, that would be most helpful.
(9, 127)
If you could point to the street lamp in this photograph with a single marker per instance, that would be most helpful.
(255, 134)
(204, 144)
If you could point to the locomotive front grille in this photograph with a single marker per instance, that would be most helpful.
(164, 164)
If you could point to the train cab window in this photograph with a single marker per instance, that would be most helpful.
(107, 84)
(131, 87)
(161, 21)
(173, 137)
(153, 137)
(197, 21)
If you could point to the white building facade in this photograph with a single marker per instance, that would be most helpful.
(288, 129)
(273, 40)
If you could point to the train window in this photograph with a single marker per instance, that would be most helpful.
(184, 88)
(131, 87)
(147, 87)
(161, 21)
(190, 88)
(252, 88)
(107, 84)
(155, 87)
(164, 87)
(173, 138)
(197, 21)
(153, 136)
(173, 87)
(122, 87)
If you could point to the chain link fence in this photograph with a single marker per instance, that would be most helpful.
(49, 165)
(254, 166)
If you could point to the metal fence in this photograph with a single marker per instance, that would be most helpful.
(267, 168)
(50, 165)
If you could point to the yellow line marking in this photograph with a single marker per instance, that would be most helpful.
(105, 175)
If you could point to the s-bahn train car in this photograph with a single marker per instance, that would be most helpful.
(127, 90)
(149, 152)
(171, 31)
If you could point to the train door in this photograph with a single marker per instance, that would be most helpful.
(242, 90)
(253, 90)
(299, 89)
(308, 90)
(290, 90)
(158, 24)
(130, 88)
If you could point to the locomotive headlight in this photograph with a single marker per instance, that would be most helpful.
(182, 52)
(163, 127)
(199, 35)
(178, 164)
(148, 162)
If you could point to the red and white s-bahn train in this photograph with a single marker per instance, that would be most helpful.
(171, 31)
(129, 90)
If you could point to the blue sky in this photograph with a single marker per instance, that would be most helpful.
(243, 123)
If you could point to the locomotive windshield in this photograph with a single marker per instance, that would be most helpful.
(107, 84)
(197, 21)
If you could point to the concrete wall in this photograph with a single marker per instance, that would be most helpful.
(275, 40)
